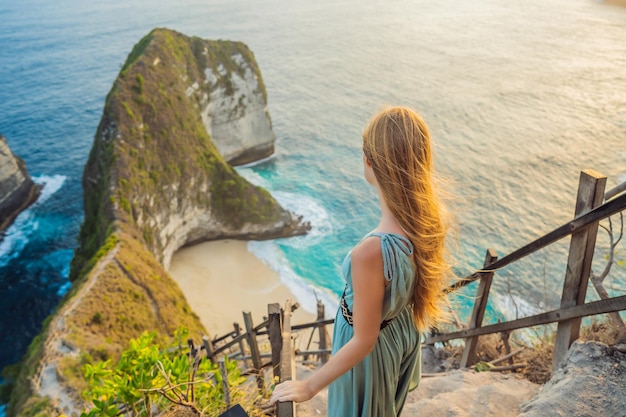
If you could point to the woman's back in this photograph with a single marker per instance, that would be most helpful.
(378, 385)
(393, 280)
(398, 270)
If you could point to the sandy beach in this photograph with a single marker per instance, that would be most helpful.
(220, 279)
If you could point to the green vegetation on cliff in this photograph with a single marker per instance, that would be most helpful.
(150, 374)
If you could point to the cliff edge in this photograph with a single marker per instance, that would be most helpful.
(156, 180)
(17, 190)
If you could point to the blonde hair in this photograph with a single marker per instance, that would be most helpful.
(398, 146)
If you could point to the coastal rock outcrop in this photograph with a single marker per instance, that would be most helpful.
(17, 190)
(177, 101)
(590, 382)
(154, 182)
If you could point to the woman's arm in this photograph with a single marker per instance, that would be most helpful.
(368, 283)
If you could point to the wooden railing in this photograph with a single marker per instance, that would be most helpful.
(598, 213)
(592, 205)
(245, 347)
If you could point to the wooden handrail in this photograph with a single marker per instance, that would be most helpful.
(615, 191)
(316, 323)
(582, 310)
(313, 352)
(601, 212)
(235, 340)
(224, 337)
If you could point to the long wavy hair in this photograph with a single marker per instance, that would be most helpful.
(398, 145)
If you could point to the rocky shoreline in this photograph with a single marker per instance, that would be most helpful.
(17, 190)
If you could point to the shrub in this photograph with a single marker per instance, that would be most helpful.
(148, 375)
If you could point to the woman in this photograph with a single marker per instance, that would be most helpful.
(394, 279)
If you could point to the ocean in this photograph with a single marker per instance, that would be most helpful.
(519, 96)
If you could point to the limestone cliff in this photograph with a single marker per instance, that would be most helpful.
(235, 112)
(17, 190)
(155, 181)
(154, 156)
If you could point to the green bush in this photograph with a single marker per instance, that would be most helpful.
(148, 374)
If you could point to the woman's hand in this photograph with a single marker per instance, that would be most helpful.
(297, 391)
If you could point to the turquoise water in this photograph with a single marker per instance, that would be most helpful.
(519, 97)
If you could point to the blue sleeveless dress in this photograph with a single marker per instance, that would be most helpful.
(378, 385)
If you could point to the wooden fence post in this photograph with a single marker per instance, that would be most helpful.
(275, 334)
(287, 364)
(482, 296)
(208, 348)
(322, 332)
(242, 349)
(582, 245)
(225, 386)
(254, 349)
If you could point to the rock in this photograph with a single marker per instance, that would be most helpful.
(235, 113)
(620, 341)
(591, 382)
(156, 162)
(436, 360)
(17, 190)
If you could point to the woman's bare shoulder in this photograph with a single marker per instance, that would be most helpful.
(368, 253)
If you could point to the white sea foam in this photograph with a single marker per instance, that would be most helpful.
(18, 234)
(269, 252)
(513, 306)
(252, 176)
(254, 163)
(51, 184)
(306, 206)
(306, 294)
(63, 289)
(312, 211)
